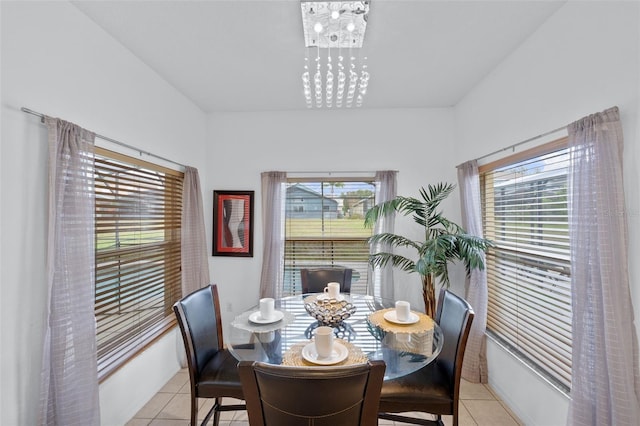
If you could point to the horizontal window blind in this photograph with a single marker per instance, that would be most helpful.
(525, 213)
(324, 226)
(138, 276)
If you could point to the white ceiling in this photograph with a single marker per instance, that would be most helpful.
(249, 55)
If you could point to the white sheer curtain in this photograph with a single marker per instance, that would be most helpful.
(195, 263)
(605, 382)
(69, 377)
(273, 199)
(474, 367)
(381, 284)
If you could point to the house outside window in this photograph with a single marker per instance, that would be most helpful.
(324, 226)
(138, 276)
(525, 212)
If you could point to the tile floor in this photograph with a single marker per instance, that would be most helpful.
(170, 407)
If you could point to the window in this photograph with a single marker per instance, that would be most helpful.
(138, 277)
(324, 226)
(525, 213)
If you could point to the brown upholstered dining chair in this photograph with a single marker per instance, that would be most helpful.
(314, 280)
(279, 395)
(434, 389)
(213, 371)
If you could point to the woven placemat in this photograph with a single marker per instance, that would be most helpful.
(293, 356)
(415, 338)
(425, 323)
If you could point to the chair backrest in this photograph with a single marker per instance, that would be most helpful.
(279, 395)
(454, 315)
(314, 280)
(198, 315)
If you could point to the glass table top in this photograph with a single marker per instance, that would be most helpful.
(403, 348)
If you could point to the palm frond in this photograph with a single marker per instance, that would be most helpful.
(404, 205)
(434, 254)
(378, 211)
(436, 194)
(471, 249)
(411, 206)
(393, 240)
(381, 259)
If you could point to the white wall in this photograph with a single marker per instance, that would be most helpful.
(416, 142)
(58, 62)
(584, 59)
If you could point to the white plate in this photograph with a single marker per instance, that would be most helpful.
(340, 353)
(256, 318)
(325, 296)
(391, 317)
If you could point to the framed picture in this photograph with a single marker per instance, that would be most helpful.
(233, 223)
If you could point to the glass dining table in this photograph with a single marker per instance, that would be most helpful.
(370, 333)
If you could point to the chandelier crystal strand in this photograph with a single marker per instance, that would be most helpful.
(341, 75)
(306, 83)
(353, 75)
(364, 82)
(329, 87)
(342, 78)
(317, 80)
(353, 81)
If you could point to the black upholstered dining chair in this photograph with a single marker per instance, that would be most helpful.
(279, 395)
(213, 370)
(434, 389)
(314, 280)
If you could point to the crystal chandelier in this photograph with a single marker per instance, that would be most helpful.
(337, 27)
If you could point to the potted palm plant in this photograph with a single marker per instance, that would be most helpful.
(444, 241)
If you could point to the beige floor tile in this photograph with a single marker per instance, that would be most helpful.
(154, 406)
(470, 390)
(177, 382)
(464, 418)
(227, 415)
(179, 407)
(186, 388)
(489, 413)
(204, 407)
(169, 422)
(479, 406)
(138, 422)
(241, 416)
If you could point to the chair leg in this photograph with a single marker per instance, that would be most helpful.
(216, 411)
(211, 411)
(194, 411)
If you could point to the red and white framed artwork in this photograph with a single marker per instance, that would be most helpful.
(233, 223)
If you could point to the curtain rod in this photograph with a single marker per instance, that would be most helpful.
(37, 114)
(519, 143)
